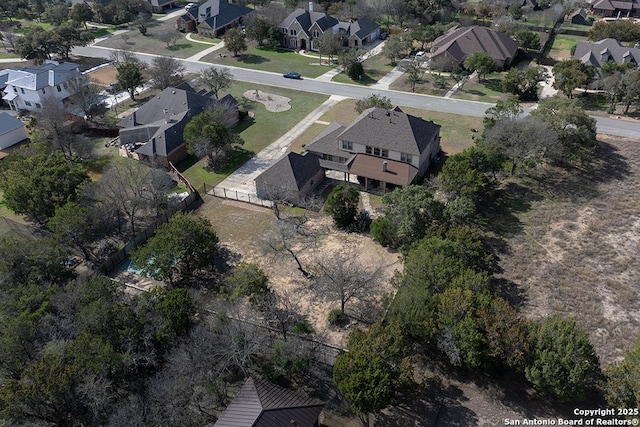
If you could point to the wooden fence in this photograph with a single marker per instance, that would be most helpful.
(240, 196)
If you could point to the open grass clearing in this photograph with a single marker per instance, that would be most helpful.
(562, 45)
(151, 42)
(7, 55)
(257, 133)
(265, 59)
(487, 90)
(573, 247)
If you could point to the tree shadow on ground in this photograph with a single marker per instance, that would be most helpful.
(252, 59)
(226, 258)
(501, 211)
(438, 405)
(474, 92)
(180, 46)
(493, 84)
(580, 183)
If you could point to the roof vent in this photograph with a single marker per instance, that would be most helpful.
(293, 422)
(384, 166)
(388, 113)
(173, 92)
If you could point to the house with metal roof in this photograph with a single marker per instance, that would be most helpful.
(26, 88)
(303, 27)
(213, 17)
(597, 53)
(452, 49)
(12, 130)
(260, 403)
(153, 133)
(383, 148)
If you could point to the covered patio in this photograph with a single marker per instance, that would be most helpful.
(383, 174)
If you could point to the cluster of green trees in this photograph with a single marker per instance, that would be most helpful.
(446, 305)
(72, 348)
(39, 44)
(624, 31)
(56, 12)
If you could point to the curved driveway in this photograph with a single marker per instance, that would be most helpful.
(447, 105)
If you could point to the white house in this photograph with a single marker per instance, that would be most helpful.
(26, 88)
(12, 131)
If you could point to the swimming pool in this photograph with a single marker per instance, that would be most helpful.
(128, 265)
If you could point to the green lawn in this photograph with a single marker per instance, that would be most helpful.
(375, 68)
(205, 39)
(297, 146)
(562, 44)
(429, 84)
(274, 60)
(27, 23)
(4, 55)
(487, 90)
(151, 43)
(265, 128)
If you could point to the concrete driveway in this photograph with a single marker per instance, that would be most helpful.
(242, 180)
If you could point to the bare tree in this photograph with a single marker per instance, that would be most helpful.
(86, 94)
(166, 71)
(136, 190)
(343, 276)
(170, 38)
(125, 55)
(216, 79)
(224, 113)
(282, 309)
(290, 238)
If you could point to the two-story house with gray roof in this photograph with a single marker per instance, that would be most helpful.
(302, 28)
(213, 17)
(383, 148)
(597, 53)
(26, 88)
(153, 133)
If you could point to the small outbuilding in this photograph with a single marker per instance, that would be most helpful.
(12, 131)
(578, 17)
(260, 403)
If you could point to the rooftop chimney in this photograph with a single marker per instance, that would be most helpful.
(384, 166)
(133, 118)
(310, 6)
(167, 116)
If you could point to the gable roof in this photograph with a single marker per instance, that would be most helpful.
(38, 77)
(306, 20)
(8, 123)
(392, 130)
(291, 172)
(578, 12)
(260, 403)
(174, 99)
(362, 27)
(227, 13)
(463, 41)
(611, 49)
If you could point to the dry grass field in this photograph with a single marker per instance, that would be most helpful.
(575, 249)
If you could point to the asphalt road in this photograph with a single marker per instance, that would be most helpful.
(447, 105)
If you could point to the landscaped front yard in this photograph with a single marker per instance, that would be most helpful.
(487, 90)
(375, 68)
(257, 133)
(274, 60)
(430, 84)
(562, 45)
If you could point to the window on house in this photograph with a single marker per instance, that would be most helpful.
(38, 105)
(376, 151)
(328, 157)
(347, 145)
(59, 88)
(64, 85)
(342, 160)
(208, 12)
(27, 103)
(22, 90)
(369, 149)
(406, 158)
(385, 153)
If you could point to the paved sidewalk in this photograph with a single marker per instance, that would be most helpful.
(198, 56)
(173, 15)
(191, 39)
(329, 75)
(548, 91)
(389, 78)
(9, 60)
(242, 180)
(457, 86)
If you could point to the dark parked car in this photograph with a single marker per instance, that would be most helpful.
(292, 75)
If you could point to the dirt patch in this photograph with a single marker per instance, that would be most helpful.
(577, 254)
(105, 75)
(272, 102)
